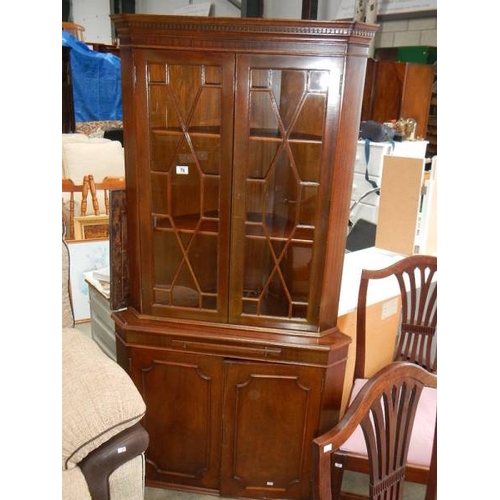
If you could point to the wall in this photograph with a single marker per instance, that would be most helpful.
(220, 8)
(94, 16)
(407, 32)
(396, 33)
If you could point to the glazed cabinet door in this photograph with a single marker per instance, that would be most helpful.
(286, 117)
(183, 398)
(270, 415)
(184, 125)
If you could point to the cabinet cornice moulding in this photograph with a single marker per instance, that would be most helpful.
(212, 25)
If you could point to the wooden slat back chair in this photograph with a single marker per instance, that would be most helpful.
(77, 30)
(385, 409)
(416, 277)
(88, 187)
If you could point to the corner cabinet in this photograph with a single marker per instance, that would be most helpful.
(241, 139)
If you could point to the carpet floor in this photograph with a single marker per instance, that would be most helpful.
(354, 482)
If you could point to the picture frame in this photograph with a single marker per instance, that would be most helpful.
(91, 227)
(85, 256)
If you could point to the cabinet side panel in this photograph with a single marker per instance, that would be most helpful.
(344, 158)
(131, 176)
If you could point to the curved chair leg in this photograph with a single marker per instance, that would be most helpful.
(338, 462)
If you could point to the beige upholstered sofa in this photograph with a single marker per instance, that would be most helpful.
(103, 442)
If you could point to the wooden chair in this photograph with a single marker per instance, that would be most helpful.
(98, 191)
(416, 278)
(74, 29)
(386, 411)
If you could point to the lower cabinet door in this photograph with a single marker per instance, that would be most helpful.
(270, 417)
(183, 395)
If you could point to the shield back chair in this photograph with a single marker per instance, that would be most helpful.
(416, 340)
(416, 276)
(384, 414)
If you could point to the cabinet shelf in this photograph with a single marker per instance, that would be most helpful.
(188, 223)
(274, 135)
(209, 131)
(285, 233)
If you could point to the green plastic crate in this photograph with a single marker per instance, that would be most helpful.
(418, 54)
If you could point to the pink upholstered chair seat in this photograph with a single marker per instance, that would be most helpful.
(420, 449)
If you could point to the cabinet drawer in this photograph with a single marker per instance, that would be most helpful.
(99, 306)
(103, 328)
(104, 336)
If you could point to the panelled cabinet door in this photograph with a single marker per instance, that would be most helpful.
(270, 414)
(286, 114)
(183, 398)
(184, 114)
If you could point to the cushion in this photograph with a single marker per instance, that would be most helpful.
(74, 485)
(99, 399)
(98, 157)
(74, 137)
(422, 437)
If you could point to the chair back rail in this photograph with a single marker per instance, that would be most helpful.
(416, 276)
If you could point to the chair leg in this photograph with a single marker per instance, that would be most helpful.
(337, 472)
(431, 491)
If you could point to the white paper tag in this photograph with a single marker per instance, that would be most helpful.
(182, 169)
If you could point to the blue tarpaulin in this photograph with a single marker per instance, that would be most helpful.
(96, 80)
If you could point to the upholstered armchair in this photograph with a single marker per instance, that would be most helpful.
(103, 442)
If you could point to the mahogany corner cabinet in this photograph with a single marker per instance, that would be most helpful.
(240, 141)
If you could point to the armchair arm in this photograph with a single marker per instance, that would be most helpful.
(98, 465)
(99, 399)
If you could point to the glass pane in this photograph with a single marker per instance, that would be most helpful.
(164, 150)
(185, 115)
(282, 188)
(263, 121)
(206, 153)
(158, 110)
(160, 198)
(184, 84)
(211, 196)
(157, 72)
(260, 158)
(209, 99)
(166, 245)
(307, 156)
(202, 257)
(287, 114)
(313, 105)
